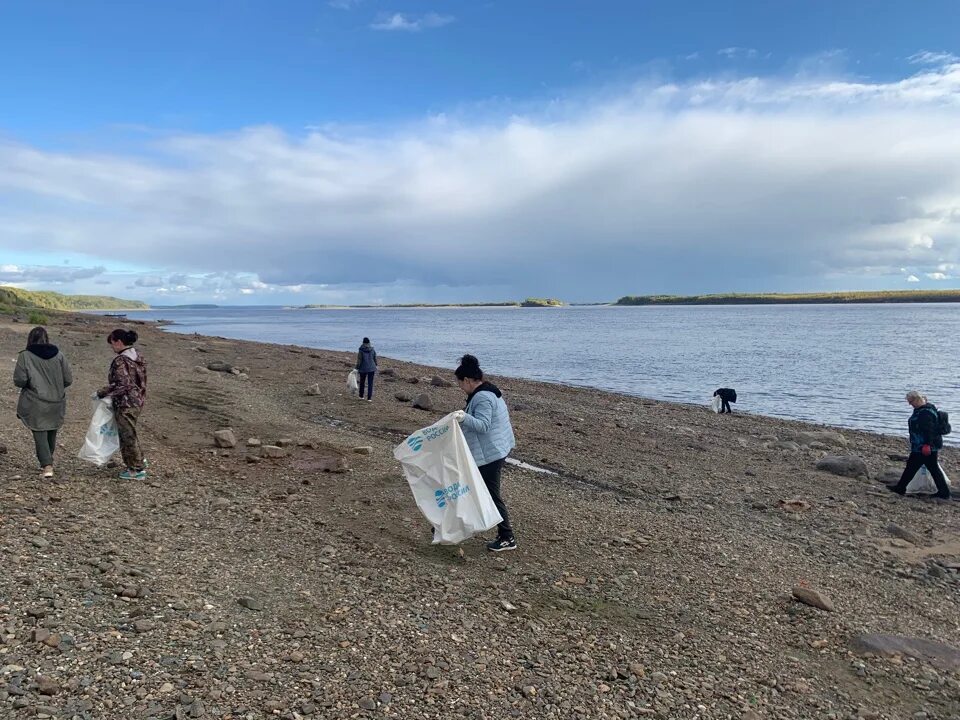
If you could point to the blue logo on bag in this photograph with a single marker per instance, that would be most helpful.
(415, 442)
(449, 493)
(105, 429)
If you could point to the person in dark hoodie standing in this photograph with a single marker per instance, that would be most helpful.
(486, 427)
(925, 444)
(43, 374)
(366, 367)
(127, 389)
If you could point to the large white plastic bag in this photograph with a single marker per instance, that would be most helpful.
(717, 403)
(102, 439)
(922, 482)
(446, 483)
(352, 383)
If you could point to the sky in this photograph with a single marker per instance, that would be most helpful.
(361, 151)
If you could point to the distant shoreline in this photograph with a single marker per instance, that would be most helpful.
(833, 298)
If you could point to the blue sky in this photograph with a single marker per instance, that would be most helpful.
(359, 151)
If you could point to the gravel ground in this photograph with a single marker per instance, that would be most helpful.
(655, 576)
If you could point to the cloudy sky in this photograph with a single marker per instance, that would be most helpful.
(360, 151)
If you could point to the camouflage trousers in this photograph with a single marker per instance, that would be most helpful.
(129, 442)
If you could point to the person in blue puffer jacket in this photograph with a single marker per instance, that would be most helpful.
(486, 426)
(925, 444)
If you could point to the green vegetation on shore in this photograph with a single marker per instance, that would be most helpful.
(541, 302)
(410, 305)
(14, 299)
(881, 296)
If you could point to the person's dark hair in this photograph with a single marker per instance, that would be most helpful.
(366, 341)
(469, 368)
(38, 336)
(127, 337)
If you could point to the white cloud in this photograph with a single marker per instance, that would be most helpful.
(938, 276)
(913, 279)
(343, 4)
(732, 53)
(55, 274)
(740, 181)
(926, 57)
(406, 23)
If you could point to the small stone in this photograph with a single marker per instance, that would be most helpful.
(423, 401)
(385, 698)
(368, 703)
(363, 450)
(438, 381)
(39, 542)
(53, 640)
(433, 672)
(509, 607)
(403, 397)
(811, 597)
(47, 686)
(529, 691)
(166, 688)
(225, 438)
(253, 442)
(314, 389)
(142, 626)
(39, 635)
(273, 451)
(284, 442)
(250, 603)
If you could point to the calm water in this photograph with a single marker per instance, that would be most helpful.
(845, 365)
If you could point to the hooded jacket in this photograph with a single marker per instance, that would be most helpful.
(486, 425)
(924, 426)
(42, 373)
(366, 359)
(127, 381)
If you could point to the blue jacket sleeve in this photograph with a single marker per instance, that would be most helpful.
(480, 416)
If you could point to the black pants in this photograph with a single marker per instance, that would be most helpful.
(491, 477)
(914, 463)
(366, 379)
(725, 405)
(45, 443)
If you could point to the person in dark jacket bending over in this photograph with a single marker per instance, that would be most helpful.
(42, 373)
(726, 396)
(925, 444)
(486, 427)
(366, 367)
(127, 388)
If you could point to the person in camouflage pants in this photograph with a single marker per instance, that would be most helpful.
(127, 389)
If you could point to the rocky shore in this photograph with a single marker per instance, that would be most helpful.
(679, 564)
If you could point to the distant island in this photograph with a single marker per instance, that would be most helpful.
(13, 300)
(529, 302)
(831, 298)
(542, 302)
(198, 306)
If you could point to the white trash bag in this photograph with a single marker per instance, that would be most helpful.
(446, 483)
(717, 403)
(102, 440)
(352, 383)
(922, 482)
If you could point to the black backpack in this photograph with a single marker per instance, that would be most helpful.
(943, 422)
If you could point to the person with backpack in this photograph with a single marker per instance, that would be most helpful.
(927, 427)
(43, 374)
(486, 427)
(366, 367)
(127, 388)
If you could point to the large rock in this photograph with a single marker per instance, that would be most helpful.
(403, 397)
(438, 381)
(423, 401)
(220, 366)
(273, 451)
(889, 476)
(844, 465)
(827, 437)
(225, 438)
(938, 654)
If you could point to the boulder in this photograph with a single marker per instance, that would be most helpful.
(219, 366)
(826, 437)
(200, 369)
(403, 397)
(423, 401)
(889, 476)
(284, 442)
(844, 465)
(787, 445)
(938, 654)
(413, 380)
(272, 451)
(225, 438)
(438, 381)
(363, 450)
(253, 442)
(388, 372)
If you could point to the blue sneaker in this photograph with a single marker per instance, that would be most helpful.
(133, 475)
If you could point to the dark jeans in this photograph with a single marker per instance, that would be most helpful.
(366, 379)
(725, 405)
(491, 477)
(914, 463)
(129, 442)
(45, 443)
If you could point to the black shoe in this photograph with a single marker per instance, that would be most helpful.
(895, 489)
(938, 496)
(502, 544)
